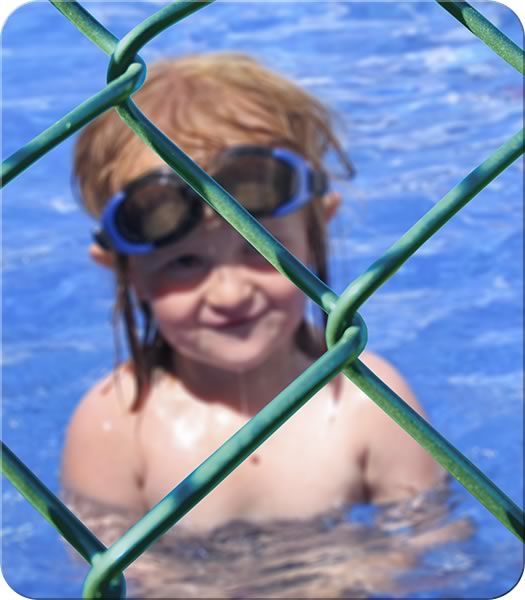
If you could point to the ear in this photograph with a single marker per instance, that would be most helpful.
(101, 257)
(331, 203)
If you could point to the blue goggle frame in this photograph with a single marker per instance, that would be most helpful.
(309, 183)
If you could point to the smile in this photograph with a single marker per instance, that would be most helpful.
(236, 322)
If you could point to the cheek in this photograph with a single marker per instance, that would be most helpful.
(287, 298)
(176, 319)
(172, 309)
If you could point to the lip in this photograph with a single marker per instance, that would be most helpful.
(237, 322)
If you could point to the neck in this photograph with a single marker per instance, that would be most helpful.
(245, 392)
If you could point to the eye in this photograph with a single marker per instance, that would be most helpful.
(251, 252)
(253, 257)
(188, 261)
(249, 249)
(183, 266)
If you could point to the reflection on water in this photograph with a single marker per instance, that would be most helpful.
(353, 552)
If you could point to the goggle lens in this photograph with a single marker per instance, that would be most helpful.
(260, 183)
(152, 211)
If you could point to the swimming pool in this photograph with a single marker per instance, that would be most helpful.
(425, 102)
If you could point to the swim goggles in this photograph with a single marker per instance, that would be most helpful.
(159, 207)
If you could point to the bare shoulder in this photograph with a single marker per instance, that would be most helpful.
(111, 396)
(100, 458)
(393, 378)
(395, 465)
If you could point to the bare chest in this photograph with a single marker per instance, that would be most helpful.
(308, 466)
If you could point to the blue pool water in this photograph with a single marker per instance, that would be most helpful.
(425, 102)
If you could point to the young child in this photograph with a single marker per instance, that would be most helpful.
(214, 331)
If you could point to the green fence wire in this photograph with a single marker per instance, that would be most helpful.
(346, 332)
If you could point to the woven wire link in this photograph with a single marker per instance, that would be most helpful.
(346, 332)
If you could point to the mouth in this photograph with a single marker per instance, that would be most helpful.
(237, 322)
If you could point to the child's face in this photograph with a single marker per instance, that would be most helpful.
(216, 300)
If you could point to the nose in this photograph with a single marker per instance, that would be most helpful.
(230, 292)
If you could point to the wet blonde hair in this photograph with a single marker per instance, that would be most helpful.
(204, 103)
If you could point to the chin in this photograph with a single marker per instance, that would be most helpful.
(239, 362)
(229, 356)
